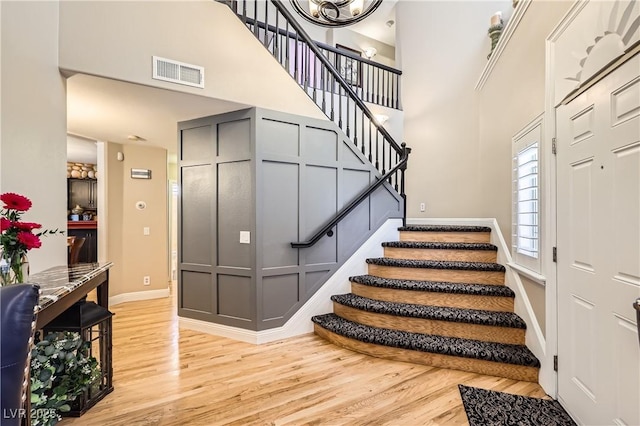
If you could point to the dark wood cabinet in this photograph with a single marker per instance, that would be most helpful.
(89, 251)
(82, 192)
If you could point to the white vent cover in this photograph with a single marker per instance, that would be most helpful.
(178, 72)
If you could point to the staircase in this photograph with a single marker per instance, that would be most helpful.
(437, 298)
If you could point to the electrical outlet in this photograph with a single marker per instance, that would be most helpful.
(422, 207)
(146, 280)
(145, 230)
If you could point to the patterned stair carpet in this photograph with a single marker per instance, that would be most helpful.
(490, 408)
(434, 286)
(444, 228)
(436, 264)
(466, 348)
(470, 316)
(440, 246)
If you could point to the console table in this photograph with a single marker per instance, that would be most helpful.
(62, 286)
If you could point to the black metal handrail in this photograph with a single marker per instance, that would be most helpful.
(327, 229)
(333, 94)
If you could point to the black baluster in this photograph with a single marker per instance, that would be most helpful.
(378, 87)
(244, 12)
(377, 148)
(295, 59)
(396, 173)
(347, 107)
(266, 24)
(393, 87)
(390, 160)
(332, 94)
(362, 141)
(324, 89)
(399, 92)
(340, 106)
(384, 139)
(370, 143)
(315, 73)
(388, 85)
(355, 125)
(276, 38)
(286, 55)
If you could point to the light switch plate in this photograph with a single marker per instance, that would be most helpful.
(145, 230)
(245, 237)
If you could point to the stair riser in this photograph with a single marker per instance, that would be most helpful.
(426, 326)
(447, 275)
(510, 371)
(446, 237)
(446, 255)
(449, 300)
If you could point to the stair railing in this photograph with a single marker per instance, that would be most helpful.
(332, 91)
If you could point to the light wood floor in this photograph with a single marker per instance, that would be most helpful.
(167, 376)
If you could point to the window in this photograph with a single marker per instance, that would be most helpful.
(526, 201)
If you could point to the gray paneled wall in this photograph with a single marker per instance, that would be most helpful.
(277, 177)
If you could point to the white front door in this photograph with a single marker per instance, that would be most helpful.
(598, 190)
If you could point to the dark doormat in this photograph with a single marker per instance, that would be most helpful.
(490, 408)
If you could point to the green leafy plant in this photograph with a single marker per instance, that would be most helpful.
(61, 370)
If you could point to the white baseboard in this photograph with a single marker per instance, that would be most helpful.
(320, 303)
(138, 295)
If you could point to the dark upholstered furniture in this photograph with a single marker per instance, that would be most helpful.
(17, 304)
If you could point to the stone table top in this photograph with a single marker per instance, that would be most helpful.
(59, 281)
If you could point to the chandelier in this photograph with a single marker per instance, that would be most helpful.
(334, 13)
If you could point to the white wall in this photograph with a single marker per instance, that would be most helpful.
(512, 96)
(441, 48)
(33, 140)
(385, 55)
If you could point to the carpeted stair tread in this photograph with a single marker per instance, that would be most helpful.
(440, 246)
(437, 313)
(444, 228)
(434, 286)
(453, 346)
(436, 264)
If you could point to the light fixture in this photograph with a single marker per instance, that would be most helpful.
(334, 13)
(370, 52)
(136, 138)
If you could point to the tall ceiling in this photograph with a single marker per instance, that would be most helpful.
(376, 27)
(100, 109)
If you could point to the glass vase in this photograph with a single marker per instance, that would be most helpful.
(14, 268)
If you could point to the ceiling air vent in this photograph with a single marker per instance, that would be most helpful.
(178, 72)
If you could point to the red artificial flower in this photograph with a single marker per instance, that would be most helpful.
(15, 201)
(4, 224)
(27, 226)
(29, 240)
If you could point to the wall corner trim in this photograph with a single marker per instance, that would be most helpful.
(508, 31)
(138, 295)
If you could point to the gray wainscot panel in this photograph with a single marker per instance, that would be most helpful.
(321, 198)
(279, 188)
(198, 143)
(195, 203)
(280, 137)
(234, 139)
(234, 297)
(197, 293)
(279, 294)
(235, 213)
(280, 177)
